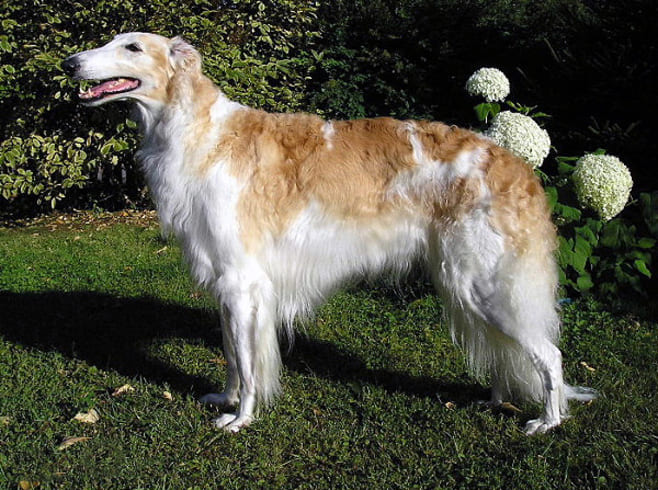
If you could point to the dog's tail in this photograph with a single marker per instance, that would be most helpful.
(580, 393)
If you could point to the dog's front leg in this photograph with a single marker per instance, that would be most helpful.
(229, 398)
(240, 349)
(250, 345)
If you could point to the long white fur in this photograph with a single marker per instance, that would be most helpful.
(501, 306)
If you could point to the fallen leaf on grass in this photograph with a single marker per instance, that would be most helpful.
(219, 361)
(449, 405)
(167, 396)
(162, 250)
(4, 420)
(122, 390)
(508, 407)
(28, 485)
(587, 366)
(90, 417)
(70, 441)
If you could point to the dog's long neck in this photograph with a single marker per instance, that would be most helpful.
(186, 120)
(177, 139)
(187, 96)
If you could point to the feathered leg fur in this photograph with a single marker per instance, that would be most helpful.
(503, 314)
(250, 346)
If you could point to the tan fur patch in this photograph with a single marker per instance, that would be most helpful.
(520, 208)
(181, 80)
(444, 143)
(160, 65)
(286, 162)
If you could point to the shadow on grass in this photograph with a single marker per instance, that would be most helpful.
(328, 361)
(113, 333)
(107, 331)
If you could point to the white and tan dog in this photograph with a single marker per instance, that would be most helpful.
(276, 211)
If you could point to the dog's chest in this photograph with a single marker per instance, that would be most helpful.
(199, 210)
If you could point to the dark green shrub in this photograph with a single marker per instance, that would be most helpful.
(52, 150)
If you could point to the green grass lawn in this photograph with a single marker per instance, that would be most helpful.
(375, 394)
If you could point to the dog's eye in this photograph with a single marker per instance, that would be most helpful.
(134, 47)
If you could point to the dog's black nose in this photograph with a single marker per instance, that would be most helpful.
(70, 65)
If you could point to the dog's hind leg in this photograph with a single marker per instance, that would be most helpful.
(503, 314)
(547, 360)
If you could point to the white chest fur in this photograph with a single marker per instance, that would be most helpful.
(199, 209)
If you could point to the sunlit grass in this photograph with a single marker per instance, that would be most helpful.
(375, 394)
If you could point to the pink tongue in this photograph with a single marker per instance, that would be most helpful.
(109, 87)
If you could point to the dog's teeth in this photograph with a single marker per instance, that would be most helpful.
(85, 94)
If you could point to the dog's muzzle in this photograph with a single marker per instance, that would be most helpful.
(71, 65)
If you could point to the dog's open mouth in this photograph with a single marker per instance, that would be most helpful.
(110, 87)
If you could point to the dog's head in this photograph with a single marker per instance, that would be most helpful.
(133, 66)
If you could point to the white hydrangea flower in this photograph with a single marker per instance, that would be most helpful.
(490, 83)
(521, 135)
(602, 183)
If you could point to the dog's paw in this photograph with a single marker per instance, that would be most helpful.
(539, 426)
(232, 422)
(221, 400)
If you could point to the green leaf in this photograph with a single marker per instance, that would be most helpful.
(567, 212)
(596, 225)
(563, 168)
(486, 109)
(584, 283)
(565, 251)
(641, 266)
(562, 277)
(586, 233)
(610, 236)
(551, 196)
(646, 243)
(107, 147)
(582, 252)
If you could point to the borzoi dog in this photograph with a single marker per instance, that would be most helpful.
(276, 211)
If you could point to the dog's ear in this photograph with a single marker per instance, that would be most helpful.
(183, 56)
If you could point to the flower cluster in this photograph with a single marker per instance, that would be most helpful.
(521, 135)
(602, 183)
(490, 83)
